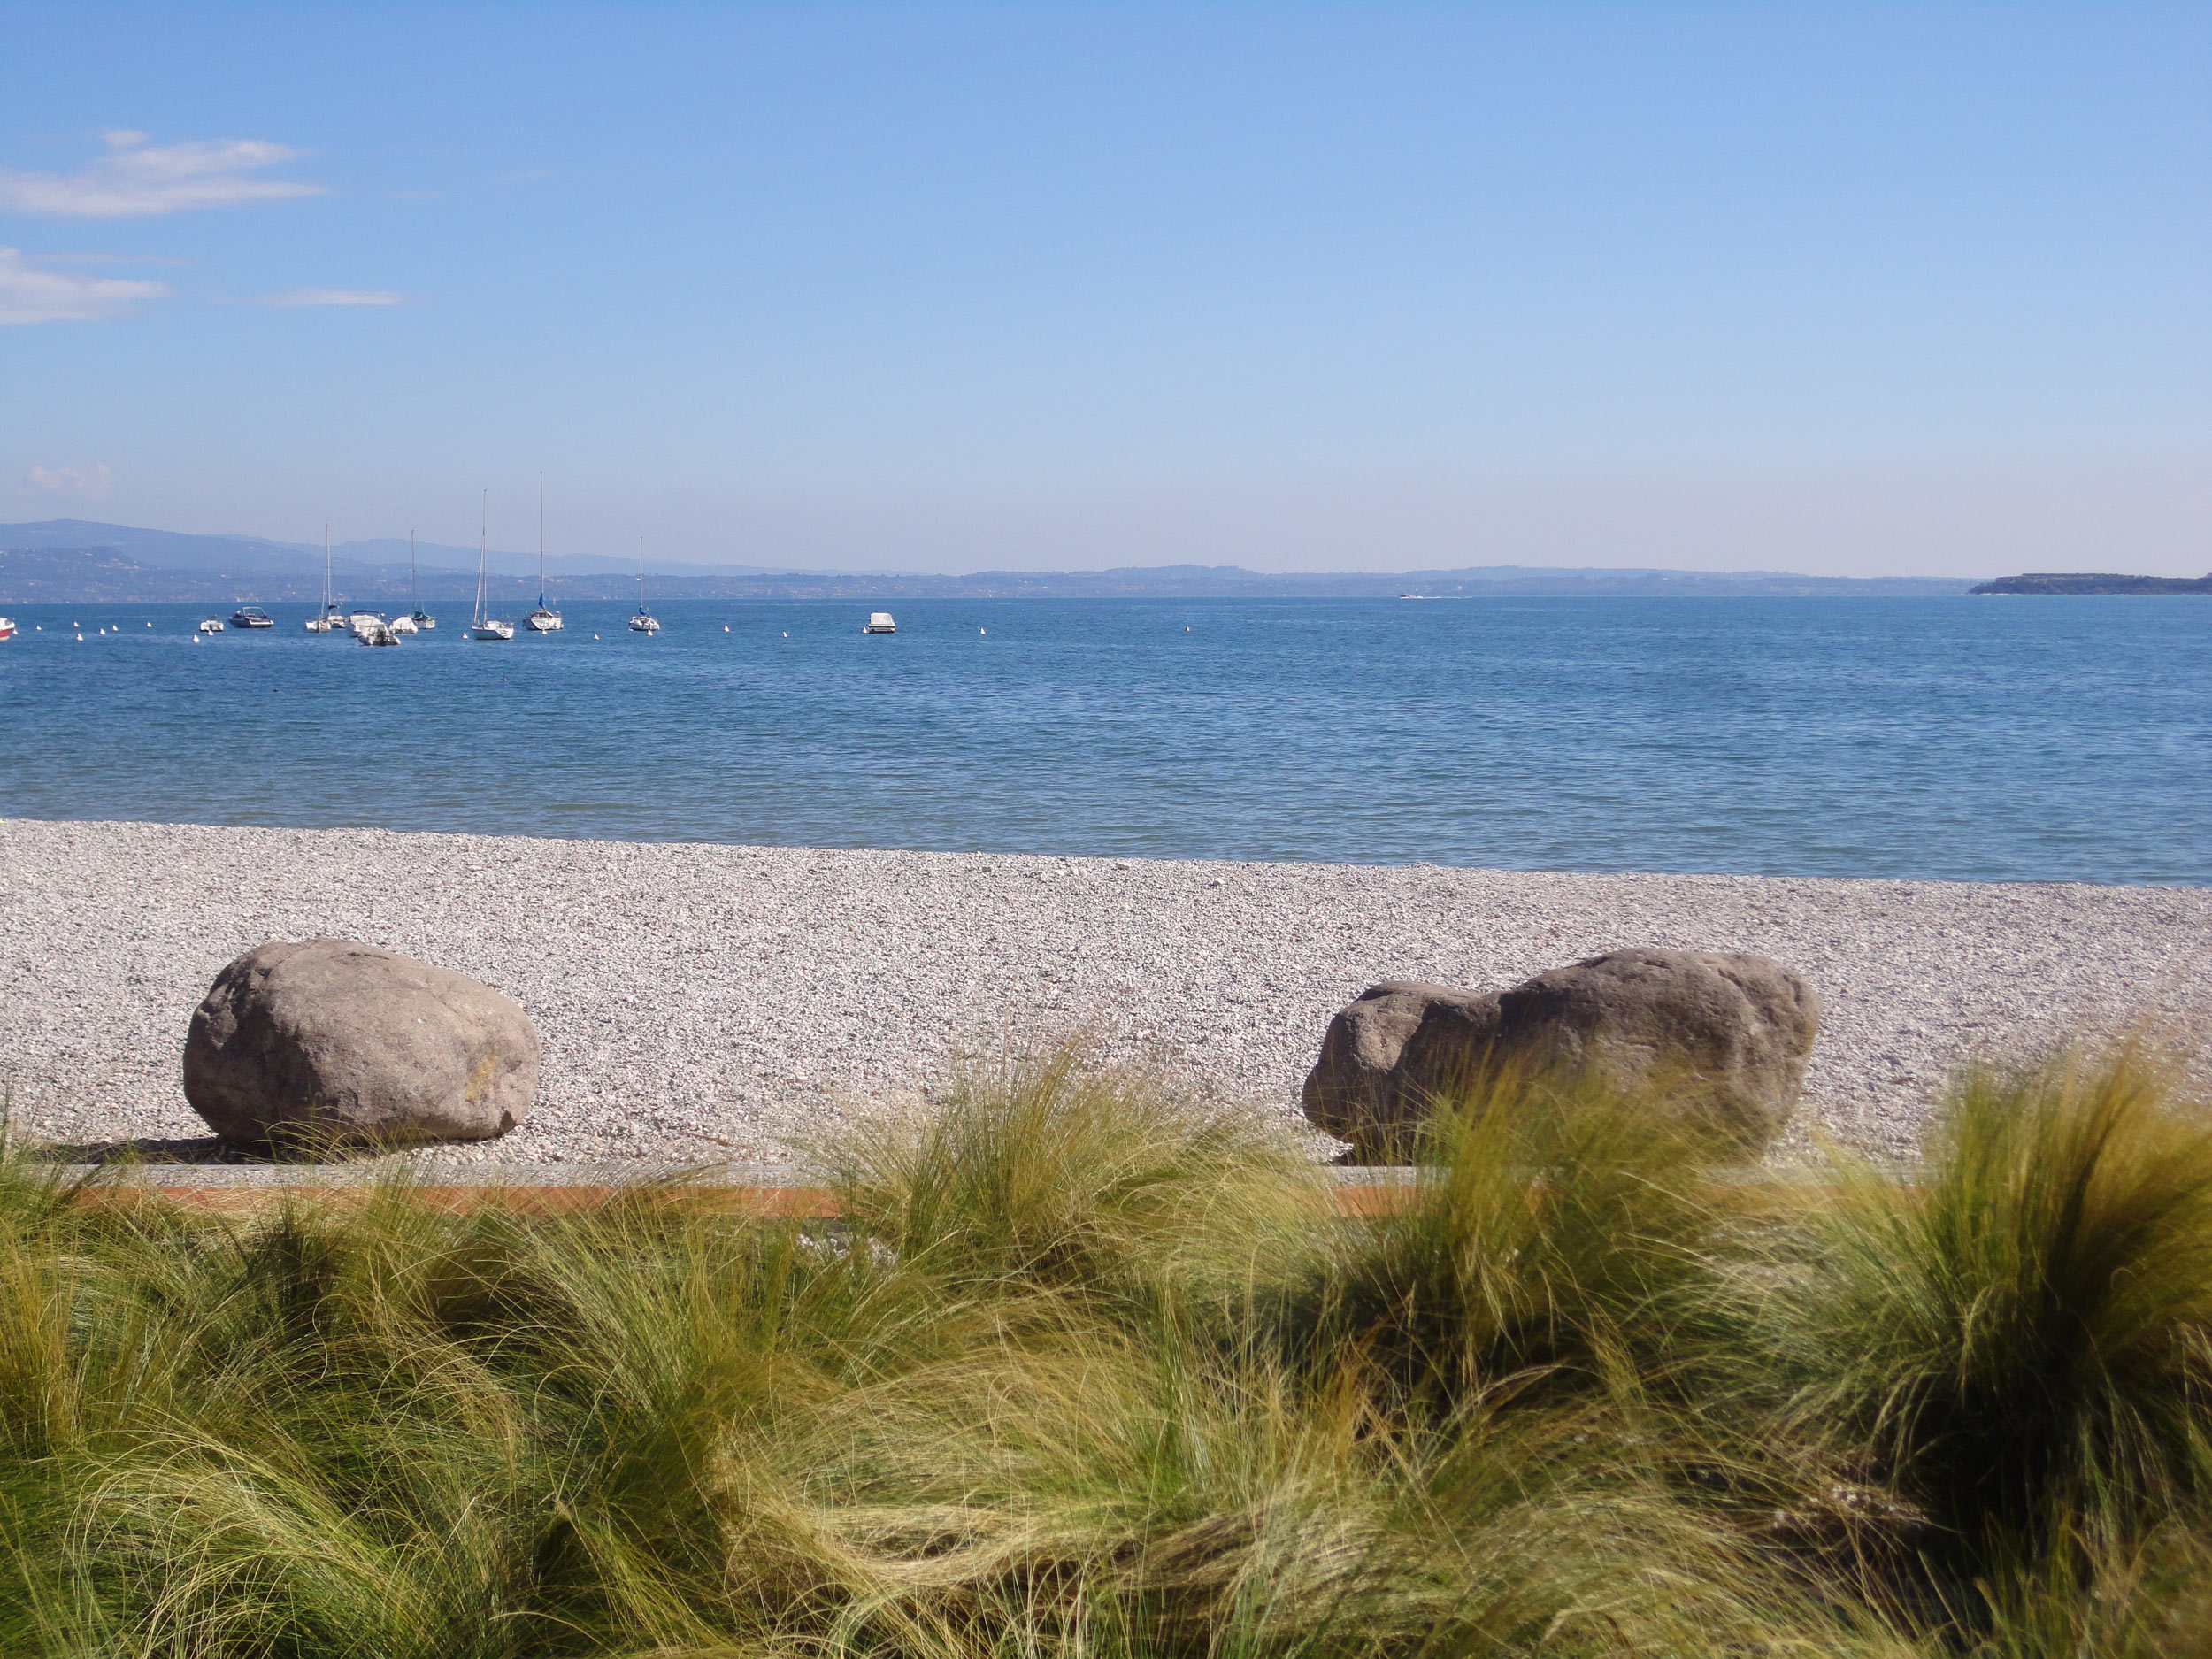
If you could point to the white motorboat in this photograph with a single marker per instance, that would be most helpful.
(544, 620)
(372, 630)
(361, 621)
(250, 616)
(879, 622)
(211, 626)
(418, 618)
(482, 627)
(401, 625)
(644, 622)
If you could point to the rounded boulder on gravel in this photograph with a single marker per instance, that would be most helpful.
(328, 1043)
(1722, 1036)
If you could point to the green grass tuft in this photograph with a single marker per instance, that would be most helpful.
(2022, 1337)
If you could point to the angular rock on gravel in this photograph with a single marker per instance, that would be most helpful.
(1724, 1037)
(330, 1042)
(1387, 1057)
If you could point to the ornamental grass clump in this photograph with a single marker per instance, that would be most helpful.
(1042, 1168)
(1560, 1231)
(2021, 1338)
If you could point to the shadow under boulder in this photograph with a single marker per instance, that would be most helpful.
(330, 1044)
(1722, 1037)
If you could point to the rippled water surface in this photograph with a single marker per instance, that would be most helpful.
(2034, 739)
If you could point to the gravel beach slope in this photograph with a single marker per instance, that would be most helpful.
(703, 1002)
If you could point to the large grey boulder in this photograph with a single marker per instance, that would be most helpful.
(331, 1043)
(1387, 1057)
(1720, 1037)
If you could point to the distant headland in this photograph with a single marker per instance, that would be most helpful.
(2080, 582)
(70, 561)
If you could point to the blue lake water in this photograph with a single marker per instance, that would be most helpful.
(1987, 739)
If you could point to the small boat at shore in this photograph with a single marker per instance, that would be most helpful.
(250, 616)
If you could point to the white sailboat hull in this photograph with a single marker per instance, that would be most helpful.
(544, 622)
(490, 630)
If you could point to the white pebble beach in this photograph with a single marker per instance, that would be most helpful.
(701, 1004)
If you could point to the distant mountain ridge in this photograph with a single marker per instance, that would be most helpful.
(67, 560)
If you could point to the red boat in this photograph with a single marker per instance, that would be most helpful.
(7, 627)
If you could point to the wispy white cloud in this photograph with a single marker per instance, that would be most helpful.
(134, 179)
(31, 293)
(337, 297)
(110, 258)
(87, 483)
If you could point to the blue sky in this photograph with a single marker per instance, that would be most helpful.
(1915, 289)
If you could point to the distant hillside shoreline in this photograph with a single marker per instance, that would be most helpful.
(72, 561)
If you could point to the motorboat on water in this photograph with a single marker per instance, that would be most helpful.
(401, 625)
(482, 627)
(544, 620)
(644, 622)
(372, 630)
(250, 616)
(364, 620)
(7, 627)
(879, 622)
(211, 626)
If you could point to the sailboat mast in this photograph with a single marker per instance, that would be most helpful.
(326, 569)
(541, 540)
(482, 525)
(414, 594)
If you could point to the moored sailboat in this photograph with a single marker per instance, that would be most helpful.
(418, 617)
(644, 622)
(484, 627)
(544, 620)
(328, 619)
